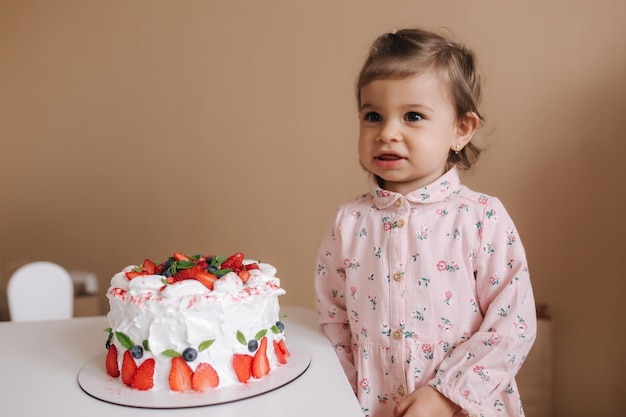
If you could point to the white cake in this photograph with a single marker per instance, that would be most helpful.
(194, 323)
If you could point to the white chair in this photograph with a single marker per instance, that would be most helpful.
(40, 291)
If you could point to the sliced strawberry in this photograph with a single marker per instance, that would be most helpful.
(244, 275)
(180, 375)
(129, 367)
(188, 273)
(260, 363)
(144, 376)
(206, 278)
(111, 362)
(243, 366)
(251, 266)
(181, 256)
(148, 267)
(133, 274)
(204, 378)
(284, 348)
(281, 351)
(234, 262)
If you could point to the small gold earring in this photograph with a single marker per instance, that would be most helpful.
(458, 148)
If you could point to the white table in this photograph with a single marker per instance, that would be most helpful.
(40, 362)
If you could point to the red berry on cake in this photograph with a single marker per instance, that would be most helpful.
(234, 262)
(181, 256)
(144, 376)
(180, 375)
(111, 362)
(128, 368)
(207, 279)
(204, 378)
(189, 273)
(244, 275)
(260, 363)
(281, 351)
(242, 364)
(133, 274)
(148, 267)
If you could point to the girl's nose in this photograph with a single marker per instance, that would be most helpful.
(389, 133)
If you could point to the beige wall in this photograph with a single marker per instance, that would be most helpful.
(134, 129)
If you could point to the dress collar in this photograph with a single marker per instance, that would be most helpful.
(438, 190)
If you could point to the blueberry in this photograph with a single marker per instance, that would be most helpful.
(190, 354)
(253, 345)
(281, 326)
(167, 266)
(107, 345)
(136, 351)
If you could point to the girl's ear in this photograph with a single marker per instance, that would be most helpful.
(466, 126)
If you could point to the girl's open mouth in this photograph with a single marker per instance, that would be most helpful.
(388, 160)
(389, 157)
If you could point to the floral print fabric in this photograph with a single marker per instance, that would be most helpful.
(428, 288)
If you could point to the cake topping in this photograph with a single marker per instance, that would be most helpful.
(190, 354)
(211, 322)
(203, 268)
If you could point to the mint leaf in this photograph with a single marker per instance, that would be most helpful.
(171, 353)
(242, 338)
(220, 273)
(146, 345)
(260, 334)
(218, 260)
(182, 264)
(205, 345)
(124, 340)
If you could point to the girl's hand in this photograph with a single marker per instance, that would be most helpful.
(427, 402)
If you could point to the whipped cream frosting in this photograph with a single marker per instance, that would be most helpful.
(186, 314)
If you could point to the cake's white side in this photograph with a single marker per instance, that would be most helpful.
(186, 314)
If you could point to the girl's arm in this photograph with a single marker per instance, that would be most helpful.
(331, 302)
(482, 367)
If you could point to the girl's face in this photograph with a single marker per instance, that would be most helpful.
(407, 129)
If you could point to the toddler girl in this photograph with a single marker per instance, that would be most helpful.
(422, 284)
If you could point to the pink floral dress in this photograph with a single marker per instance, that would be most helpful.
(428, 288)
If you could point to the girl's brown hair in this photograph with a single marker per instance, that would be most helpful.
(409, 52)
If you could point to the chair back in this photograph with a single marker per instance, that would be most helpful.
(40, 291)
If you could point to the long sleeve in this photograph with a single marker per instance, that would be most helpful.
(483, 366)
(331, 300)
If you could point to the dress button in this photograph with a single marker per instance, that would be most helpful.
(400, 223)
(397, 334)
(397, 276)
(400, 391)
(398, 203)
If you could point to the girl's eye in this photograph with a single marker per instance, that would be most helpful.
(372, 117)
(413, 117)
